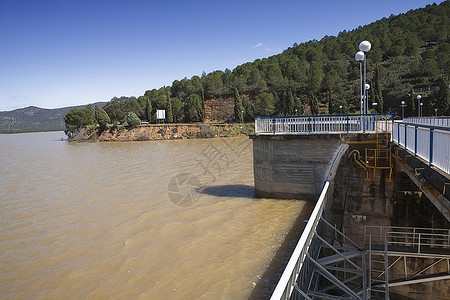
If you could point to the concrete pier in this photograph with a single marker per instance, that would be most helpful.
(294, 166)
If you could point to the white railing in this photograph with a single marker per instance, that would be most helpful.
(436, 121)
(323, 124)
(286, 284)
(419, 239)
(430, 143)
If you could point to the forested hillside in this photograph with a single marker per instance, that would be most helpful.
(409, 56)
(34, 118)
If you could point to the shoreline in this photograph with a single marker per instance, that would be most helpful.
(155, 132)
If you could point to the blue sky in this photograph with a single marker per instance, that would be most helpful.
(57, 53)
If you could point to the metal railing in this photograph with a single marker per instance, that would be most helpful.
(288, 279)
(417, 240)
(430, 143)
(323, 124)
(436, 121)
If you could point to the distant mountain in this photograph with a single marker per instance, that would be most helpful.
(34, 119)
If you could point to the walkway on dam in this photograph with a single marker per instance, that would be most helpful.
(351, 270)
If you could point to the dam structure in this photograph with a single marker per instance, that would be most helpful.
(368, 236)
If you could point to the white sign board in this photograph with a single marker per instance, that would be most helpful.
(160, 114)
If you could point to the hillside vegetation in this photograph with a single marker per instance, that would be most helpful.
(409, 56)
(34, 119)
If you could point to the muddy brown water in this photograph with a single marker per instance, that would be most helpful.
(143, 220)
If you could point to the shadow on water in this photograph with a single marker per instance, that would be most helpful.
(266, 285)
(235, 190)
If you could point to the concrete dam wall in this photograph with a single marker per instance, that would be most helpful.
(295, 166)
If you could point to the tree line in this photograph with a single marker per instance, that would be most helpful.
(409, 55)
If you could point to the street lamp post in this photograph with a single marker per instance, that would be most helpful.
(340, 109)
(403, 104)
(366, 97)
(359, 56)
(421, 109)
(374, 106)
(365, 46)
(418, 105)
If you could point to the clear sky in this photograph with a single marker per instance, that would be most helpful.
(57, 53)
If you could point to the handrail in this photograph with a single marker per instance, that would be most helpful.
(286, 284)
(425, 141)
(437, 121)
(322, 124)
(408, 236)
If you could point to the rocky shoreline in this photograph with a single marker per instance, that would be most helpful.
(162, 132)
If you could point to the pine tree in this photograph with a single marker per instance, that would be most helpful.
(148, 110)
(330, 103)
(203, 112)
(169, 108)
(314, 104)
(238, 108)
(101, 117)
(291, 103)
(377, 90)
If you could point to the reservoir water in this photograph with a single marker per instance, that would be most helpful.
(134, 220)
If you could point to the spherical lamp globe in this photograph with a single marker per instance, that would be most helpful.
(359, 56)
(365, 46)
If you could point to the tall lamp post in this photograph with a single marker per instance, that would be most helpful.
(366, 97)
(403, 104)
(374, 106)
(418, 105)
(365, 46)
(421, 109)
(359, 56)
(340, 109)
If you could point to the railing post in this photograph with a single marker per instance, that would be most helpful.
(274, 126)
(431, 146)
(418, 245)
(415, 140)
(347, 124)
(406, 136)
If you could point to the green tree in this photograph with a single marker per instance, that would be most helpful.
(238, 108)
(430, 67)
(177, 107)
(169, 116)
(298, 109)
(213, 85)
(330, 103)
(315, 75)
(442, 96)
(264, 104)
(377, 95)
(118, 108)
(412, 102)
(249, 114)
(77, 118)
(132, 120)
(101, 117)
(193, 109)
(314, 104)
(290, 103)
